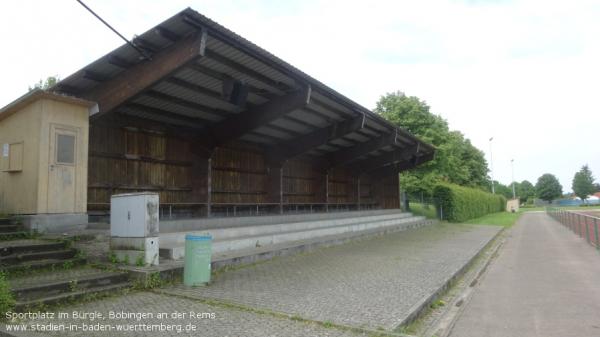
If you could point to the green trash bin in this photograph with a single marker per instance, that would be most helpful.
(196, 269)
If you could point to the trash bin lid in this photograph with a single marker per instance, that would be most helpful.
(192, 237)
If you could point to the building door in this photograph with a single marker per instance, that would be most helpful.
(62, 169)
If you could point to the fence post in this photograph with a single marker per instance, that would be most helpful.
(587, 230)
(571, 222)
(596, 233)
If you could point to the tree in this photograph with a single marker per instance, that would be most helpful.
(583, 183)
(456, 161)
(597, 187)
(525, 190)
(44, 85)
(548, 188)
(501, 189)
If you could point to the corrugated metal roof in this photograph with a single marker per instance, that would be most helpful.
(229, 56)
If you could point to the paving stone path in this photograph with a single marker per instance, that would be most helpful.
(370, 284)
(226, 321)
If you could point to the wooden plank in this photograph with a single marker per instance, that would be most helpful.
(275, 185)
(209, 187)
(129, 83)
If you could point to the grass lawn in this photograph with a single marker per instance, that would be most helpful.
(504, 219)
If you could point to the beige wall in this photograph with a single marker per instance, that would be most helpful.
(18, 190)
(26, 192)
(512, 204)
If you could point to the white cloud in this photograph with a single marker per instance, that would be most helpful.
(525, 72)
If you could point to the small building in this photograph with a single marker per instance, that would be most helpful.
(211, 122)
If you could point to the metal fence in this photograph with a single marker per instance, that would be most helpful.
(422, 204)
(584, 225)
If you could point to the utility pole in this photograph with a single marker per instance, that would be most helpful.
(512, 168)
(492, 165)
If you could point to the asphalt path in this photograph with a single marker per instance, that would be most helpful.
(545, 282)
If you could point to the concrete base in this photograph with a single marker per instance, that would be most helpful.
(249, 237)
(135, 251)
(55, 223)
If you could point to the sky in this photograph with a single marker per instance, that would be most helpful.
(526, 73)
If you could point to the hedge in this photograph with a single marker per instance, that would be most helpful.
(458, 203)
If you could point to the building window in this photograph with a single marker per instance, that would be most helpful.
(65, 149)
(12, 157)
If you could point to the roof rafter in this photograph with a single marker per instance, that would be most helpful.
(349, 154)
(255, 116)
(129, 83)
(215, 114)
(371, 163)
(307, 142)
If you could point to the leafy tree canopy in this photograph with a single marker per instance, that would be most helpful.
(45, 84)
(548, 188)
(457, 160)
(525, 190)
(583, 183)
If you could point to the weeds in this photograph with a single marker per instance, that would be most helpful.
(7, 301)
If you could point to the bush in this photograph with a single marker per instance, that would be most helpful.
(459, 203)
(7, 301)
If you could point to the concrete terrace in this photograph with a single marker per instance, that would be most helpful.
(372, 284)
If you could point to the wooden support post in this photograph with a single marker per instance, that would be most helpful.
(209, 188)
(327, 191)
(275, 185)
(358, 192)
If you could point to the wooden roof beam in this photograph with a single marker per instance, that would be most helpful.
(211, 113)
(247, 71)
(129, 83)
(140, 108)
(307, 142)
(386, 171)
(347, 155)
(119, 62)
(255, 116)
(371, 163)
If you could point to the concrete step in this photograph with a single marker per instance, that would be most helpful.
(98, 225)
(188, 225)
(16, 258)
(6, 221)
(72, 296)
(169, 268)
(176, 250)
(55, 264)
(9, 228)
(53, 284)
(13, 235)
(251, 255)
(224, 233)
(29, 246)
